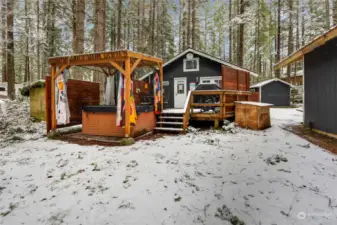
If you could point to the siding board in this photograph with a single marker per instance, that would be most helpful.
(276, 93)
(320, 103)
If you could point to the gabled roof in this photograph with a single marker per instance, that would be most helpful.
(257, 85)
(318, 41)
(207, 56)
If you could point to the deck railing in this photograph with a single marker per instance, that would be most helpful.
(222, 106)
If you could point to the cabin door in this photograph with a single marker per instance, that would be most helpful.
(180, 91)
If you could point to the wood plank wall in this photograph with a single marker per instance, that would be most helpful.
(233, 79)
(141, 89)
(80, 93)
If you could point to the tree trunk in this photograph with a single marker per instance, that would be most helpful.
(193, 23)
(78, 33)
(128, 30)
(189, 23)
(230, 31)
(143, 33)
(180, 25)
(334, 12)
(271, 55)
(184, 25)
(138, 26)
(327, 15)
(297, 41)
(10, 51)
(206, 30)
(38, 39)
(80, 17)
(112, 28)
(278, 37)
(241, 34)
(119, 25)
(51, 28)
(153, 26)
(257, 41)
(27, 70)
(73, 10)
(303, 24)
(99, 40)
(3, 38)
(290, 34)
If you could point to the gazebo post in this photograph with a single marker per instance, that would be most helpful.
(127, 97)
(161, 85)
(53, 110)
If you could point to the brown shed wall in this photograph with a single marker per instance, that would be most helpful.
(233, 79)
(80, 93)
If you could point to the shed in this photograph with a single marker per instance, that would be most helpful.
(38, 102)
(273, 91)
(320, 81)
(191, 67)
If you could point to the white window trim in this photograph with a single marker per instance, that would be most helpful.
(191, 70)
(211, 78)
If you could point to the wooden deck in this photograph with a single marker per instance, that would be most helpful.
(220, 109)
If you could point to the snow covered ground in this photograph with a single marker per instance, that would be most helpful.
(262, 177)
(16, 124)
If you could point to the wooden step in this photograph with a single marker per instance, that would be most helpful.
(169, 129)
(171, 123)
(171, 117)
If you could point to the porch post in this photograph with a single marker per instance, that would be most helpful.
(161, 85)
(127, 97)
(53, 110)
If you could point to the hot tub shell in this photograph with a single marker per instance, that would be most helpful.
(101, 121)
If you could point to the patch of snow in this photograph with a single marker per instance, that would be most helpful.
(254, 103)
(179, 111)
(285, 116)
(16, 125)
(191, 129)
(229, 127)
(208, 177)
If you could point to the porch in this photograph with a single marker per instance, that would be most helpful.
(199, 107)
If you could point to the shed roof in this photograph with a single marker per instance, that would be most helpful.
(207, 56)
(260, 84)
(298, 55)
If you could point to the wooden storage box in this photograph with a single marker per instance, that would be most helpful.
(253, 115)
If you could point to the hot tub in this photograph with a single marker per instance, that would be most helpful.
(101, 120)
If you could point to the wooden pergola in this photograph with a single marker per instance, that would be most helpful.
(124, 61)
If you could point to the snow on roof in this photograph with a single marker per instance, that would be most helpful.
(205, 55)
(254, 103)
(269, 81)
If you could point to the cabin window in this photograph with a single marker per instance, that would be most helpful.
(212, 80)
(191, 65)
(181, 88)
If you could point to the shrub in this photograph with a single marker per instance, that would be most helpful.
(127, 141)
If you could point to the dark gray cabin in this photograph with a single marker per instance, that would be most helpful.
(273, 91)
(320, 81)
(185, 71)
(320, 87)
